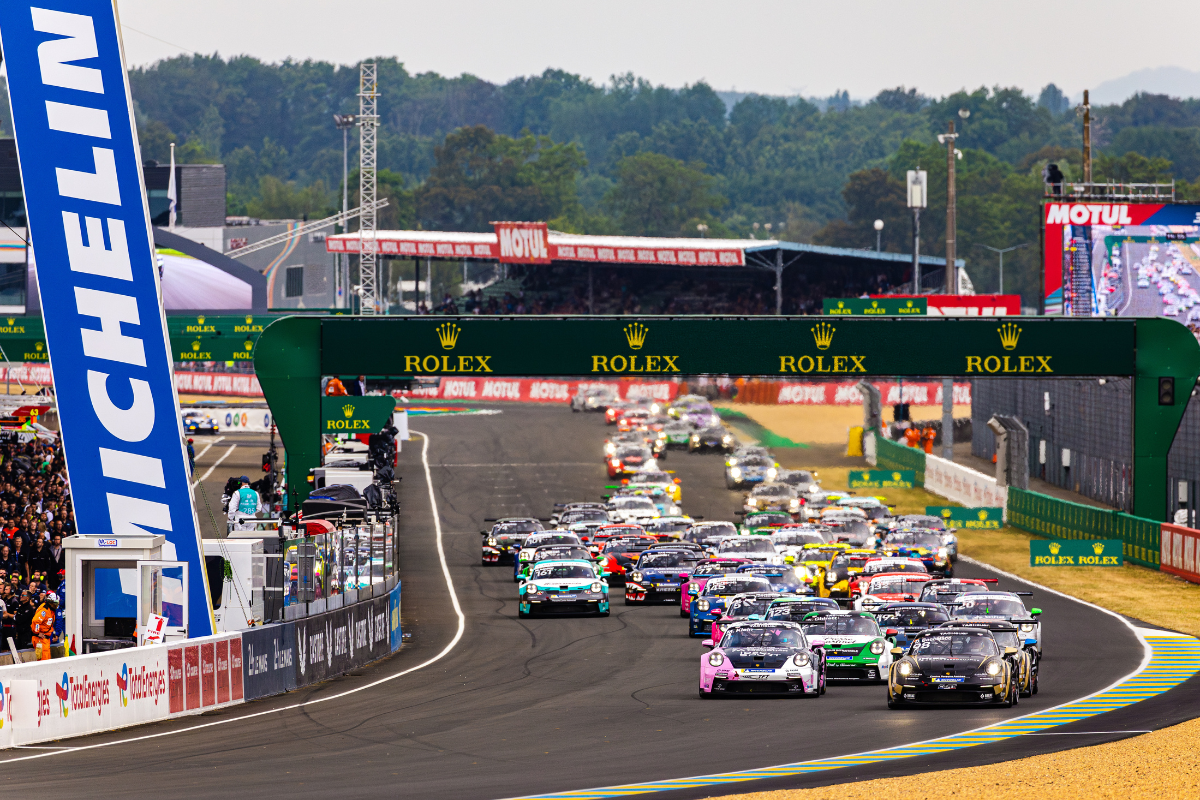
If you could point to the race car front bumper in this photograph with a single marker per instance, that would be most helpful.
(784, 681)
(566, 603)
(966, 692)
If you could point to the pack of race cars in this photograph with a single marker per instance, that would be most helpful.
(810, 587)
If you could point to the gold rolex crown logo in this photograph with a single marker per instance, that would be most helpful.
(1098, 548)
(196, 345)
(895, 476)
(823, 335)
(448, 335)
(249, 320)
(38, 347)
(1055, 547)
(200, 320)
(1009, 334)
(11, 320)
(635, 334)
(946, 513)
(249, 345)
(348, 410)
(982, 514)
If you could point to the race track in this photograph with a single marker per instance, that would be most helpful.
(532, 706)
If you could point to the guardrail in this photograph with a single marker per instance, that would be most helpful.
(889, 455)
(1062, 519)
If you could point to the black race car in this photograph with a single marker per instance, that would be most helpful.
(952, 666)
(502, 542)
(909, 619)
(715, 437)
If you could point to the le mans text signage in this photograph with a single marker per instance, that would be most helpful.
(882, 478)
(664, 347)
(1076, 553)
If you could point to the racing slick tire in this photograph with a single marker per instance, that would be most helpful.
(891, 703)
(1035, 684)
(705, 695)
(523, 614)
(683, 613)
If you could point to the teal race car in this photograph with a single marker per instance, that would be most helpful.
(564, 587)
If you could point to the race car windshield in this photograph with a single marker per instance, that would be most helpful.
(516, 527)
(571, 517)
(990, 607)
(756, 461)
(633, 452)
(764, 637)
(634, 503)
(820, 553)
(747, 544)
(793, 611)
(627, 543)
(650, 477)
(912, 617)
(561, 552)
(950, 589)
(651, 560)
(854, 532)
(1006, 639)
(708, 570)
(929, 540)
(799, 537)
(933, 523)
(796, 479)
(744, 607)
(896, 585)
(769, 518)
(893, 566)
(552, 571)
(771, 490)
(667, 526)
(841, 626)
(973, 643)
(735, 586)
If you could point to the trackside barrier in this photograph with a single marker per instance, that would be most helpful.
(963, 484)
(80, 695)
(1061, 519)
(528, 390)
(889, 455)
(1180, 553)
(831, 393)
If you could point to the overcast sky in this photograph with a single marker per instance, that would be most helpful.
(767, 46)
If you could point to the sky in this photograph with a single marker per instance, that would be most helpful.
(766, 46)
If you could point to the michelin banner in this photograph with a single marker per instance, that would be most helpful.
(105, 327)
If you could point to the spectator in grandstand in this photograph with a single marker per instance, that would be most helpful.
(41, 561)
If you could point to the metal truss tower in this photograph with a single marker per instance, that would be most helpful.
(368, 120)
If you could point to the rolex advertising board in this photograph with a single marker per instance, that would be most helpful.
(968, 518)
(356, 415)
(882, 478)
(1076, 553)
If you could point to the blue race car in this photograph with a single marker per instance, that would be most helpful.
(750, 470)
(706, 607)
(782, 578)
(660, 575)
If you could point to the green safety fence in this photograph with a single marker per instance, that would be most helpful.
(1060, 519)
(889, 455)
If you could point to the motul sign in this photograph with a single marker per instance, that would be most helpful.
(1088, 214)
(523, 242)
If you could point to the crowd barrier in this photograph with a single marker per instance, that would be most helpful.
(1180, 552)
(86, 694)
(962, 484)
(817, 393)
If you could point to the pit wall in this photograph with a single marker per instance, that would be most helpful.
(1157, 545)
(87, 694)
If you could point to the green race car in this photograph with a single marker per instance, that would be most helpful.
(855, 648)
(764, 523)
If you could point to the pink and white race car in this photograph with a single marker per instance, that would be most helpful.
(768, 657)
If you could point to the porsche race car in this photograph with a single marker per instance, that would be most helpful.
(710, 602)
(951, 666)
(659, 575)
(564, 587)
(704, 571)
(763, 658)
(501, 543)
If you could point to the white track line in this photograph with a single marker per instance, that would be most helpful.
(209, 447)
(462, 623)
(216, 464)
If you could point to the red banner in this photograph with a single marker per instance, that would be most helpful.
(967, 305)
(523, 242)
(847, 394)
(529, 390)
(1179, 552)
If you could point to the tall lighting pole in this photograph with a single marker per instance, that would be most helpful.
(1001, 253)
(344, 122)
(917, 196)
(1087, 138)
(878, 236)
(952, 154)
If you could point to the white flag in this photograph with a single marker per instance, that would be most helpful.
(171, 197)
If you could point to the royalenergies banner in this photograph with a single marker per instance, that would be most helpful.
(99, 281)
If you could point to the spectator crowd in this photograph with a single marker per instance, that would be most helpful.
(35, 515)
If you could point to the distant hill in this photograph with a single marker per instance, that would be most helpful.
(1171, 81)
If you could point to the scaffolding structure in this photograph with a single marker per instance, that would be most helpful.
(368, 120)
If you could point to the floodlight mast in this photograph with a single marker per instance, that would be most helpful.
(368, 120)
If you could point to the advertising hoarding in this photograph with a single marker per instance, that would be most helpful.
(1122, 259)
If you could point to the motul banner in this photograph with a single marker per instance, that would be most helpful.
(526, 390)
(847, 394)
(523, 242)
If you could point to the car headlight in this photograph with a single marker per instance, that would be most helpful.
(735, 472)
(771, 473)
(609, 449)
(794, 502)
(492, 541)
(716, 659)
(531, 589)
(636, 576)
(526, 555)
(732, 462)
(905, 668)
(1027, 627)
(655, 408)
(993, 668)
(726, 440)
(702, 605)
(877, 647)
(597, 587)
(696, 439)
(801, 659)
(751, 501)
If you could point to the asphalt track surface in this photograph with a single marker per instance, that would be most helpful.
(522, 707)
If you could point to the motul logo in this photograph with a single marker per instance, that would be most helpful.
(1087, 214)
(523, 242)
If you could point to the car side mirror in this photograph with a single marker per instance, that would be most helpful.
(1035, 612)
(1010, 651)
(891, 632)
(897, 651)
(707, 643)
(816, 641)
(483, 533)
